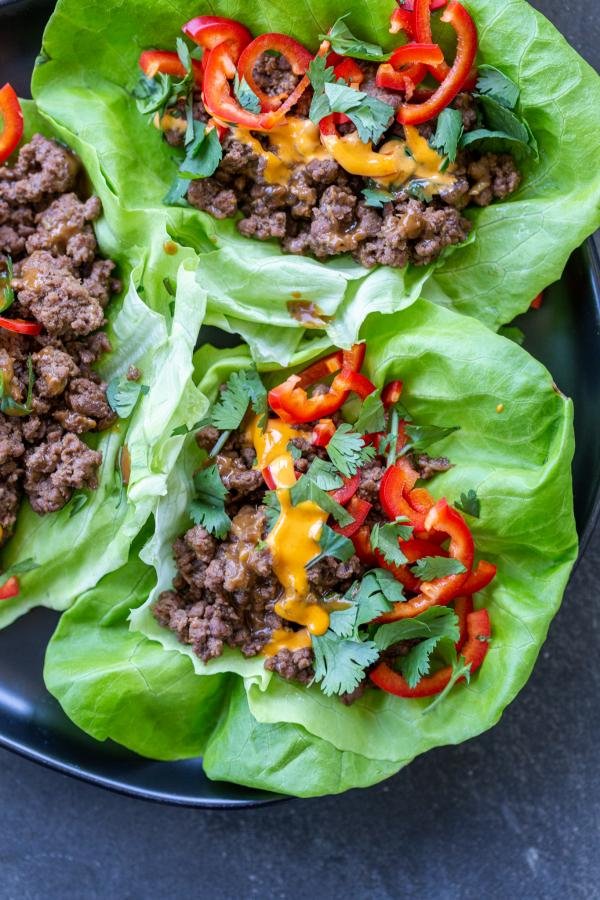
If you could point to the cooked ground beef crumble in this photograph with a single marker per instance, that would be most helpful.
(59, 281)
(321, 210)
(224, 592)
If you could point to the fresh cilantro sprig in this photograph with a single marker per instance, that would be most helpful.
(307, 489)
(377, 199)
(422, 436)
(347, 44)
(340, 664)
(208, 506)
(242, 389)
(122, 395)
(332, 544)
(370, 116)
(469, 503)
(324, 474)
(460, 669)
(272, 508)
(347, 451)
(494, 83)
(371, 418)
(244, 95)
(438, 621)
(428, 568)
(448, 133)
(385, 538)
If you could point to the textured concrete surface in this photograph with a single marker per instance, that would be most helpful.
(514, 813)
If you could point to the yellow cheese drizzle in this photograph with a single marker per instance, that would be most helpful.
(397, 162)
(293, 541)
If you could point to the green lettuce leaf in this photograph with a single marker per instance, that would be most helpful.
(91, 536)
(90, 66)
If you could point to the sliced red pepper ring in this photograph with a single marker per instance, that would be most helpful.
(362, 546)
(210, 31)
(20, 326)
(474, 651)
(444, 518)
(391, 393)
(218, 99)
(347, 491)
(396, 481)
(322, 432)
(466, 50)
(359, 509)
(153, 62)
(10, 588)
(291, 402)
(295, 53)
(11, 122)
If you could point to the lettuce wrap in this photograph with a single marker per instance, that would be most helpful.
(514, 447)
(89, 65)
(73, 548)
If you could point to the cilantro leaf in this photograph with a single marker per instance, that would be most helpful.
(208, 507)
(7, 294)
(347, 451)
(420, 189)
(333, 544)
(343, 621)
(152, 94)
(497, 85)
(176, 194)
(501, 125)
(374, 595)
(320, 74)
(346, 44)
(340, 664)
(422, 436)
(469, 503)
(324, 474)
(416, 663)
(448, 133)
(203, 153)
(385, 539)
(295, 452)
(377, 199)
(306, 489)
(438, 621)
(431, 567)
(122, 395)
(245, 96)
(371, 117)
(372, 415)
(272, 508)
(460, 669)
(241, 389)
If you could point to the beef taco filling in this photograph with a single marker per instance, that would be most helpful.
(326, 153)
(54, 288)
(316, 545)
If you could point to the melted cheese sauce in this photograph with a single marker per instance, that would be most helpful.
(293, 541)
(298, 141)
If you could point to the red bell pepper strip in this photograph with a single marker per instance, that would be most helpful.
(444, 518)
(413, 549)
(427, 52)
(466, 50)
(328, 124)
(11, 122)
(474, 652)
(218, 99)
(433, 4)
(359, 509)
(537, 301)
(269, 480)
(422, 30)
(397, 480)
(350, 71)
(347, 491)
(362, 546)
(402, 19)
(413, 57)
(210, 31)
(291, 402)
(20, 326)
(391, 393)
(153, 62)
(480, 577)
(295, 53)
(322, 432)
(301, 87)
(404, 81)
(10, 588)
(463, 607)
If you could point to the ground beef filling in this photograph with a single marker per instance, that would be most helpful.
(224, 592)
(322, 212)
(59, 281)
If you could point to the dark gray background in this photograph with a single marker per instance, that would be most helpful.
(514, 812)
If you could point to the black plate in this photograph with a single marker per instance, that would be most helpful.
(564, 334)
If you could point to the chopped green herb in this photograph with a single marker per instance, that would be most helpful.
(378, 199)
(448, 133)
(245, 96)
(431, 567)
(346, 44)
(306, 489)
(371, 418)
(208, 507)
(498, 86)
(469, 503)
(324, 474)
(340, 664)
(242, 389)
(347, 451)
(203, 153)
(385, 538)
(422, 436)
(272, 508)
(418, 188)
(7, 294)
(122, 395)
(333, 544)
(460, 669)
(438, 621)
